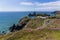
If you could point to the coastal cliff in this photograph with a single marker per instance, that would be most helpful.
(36, 28)
(20, 24)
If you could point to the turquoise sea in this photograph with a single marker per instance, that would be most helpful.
(7, 19)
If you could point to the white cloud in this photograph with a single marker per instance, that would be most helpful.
(26, 3)
(37, 6)
(43, 6)
(48, 6)
(57, 3)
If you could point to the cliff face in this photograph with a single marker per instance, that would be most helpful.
(20, 24)
(34, 29)
(27, 22)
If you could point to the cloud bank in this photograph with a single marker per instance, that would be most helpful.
(49, 6)
(26, 3)
(20, 5)
(56, 3)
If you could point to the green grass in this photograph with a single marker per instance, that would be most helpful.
(34, 23)
(44, 34)
(34, 35)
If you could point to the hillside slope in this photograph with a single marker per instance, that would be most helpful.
(34, 35)
(34, 23)
(31, 31)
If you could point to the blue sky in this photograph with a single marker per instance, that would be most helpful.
(29, 5)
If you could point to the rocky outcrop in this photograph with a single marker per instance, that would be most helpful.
(20, 25)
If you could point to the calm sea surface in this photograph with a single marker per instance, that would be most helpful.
(7, 19)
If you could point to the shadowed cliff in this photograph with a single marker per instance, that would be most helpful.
(20, 24)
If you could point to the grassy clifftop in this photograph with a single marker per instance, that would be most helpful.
(34, 35)
(34, 23)
(31, 30)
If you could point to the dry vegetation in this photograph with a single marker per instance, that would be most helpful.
(31, 31)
